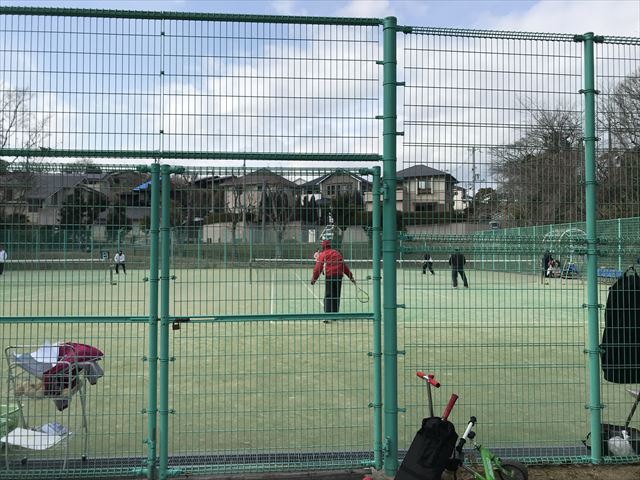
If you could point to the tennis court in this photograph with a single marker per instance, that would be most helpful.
(503, 345)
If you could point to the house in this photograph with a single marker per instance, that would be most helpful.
(424, 190)
(334, 183)
(461, 201)
(40, 196)
(244, 194)
(214, 185)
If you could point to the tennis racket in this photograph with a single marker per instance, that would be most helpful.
(361, 295)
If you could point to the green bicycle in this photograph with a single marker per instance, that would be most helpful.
(493, 468)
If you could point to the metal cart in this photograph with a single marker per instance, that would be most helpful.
(29, 378)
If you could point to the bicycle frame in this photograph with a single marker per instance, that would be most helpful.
(490, 462)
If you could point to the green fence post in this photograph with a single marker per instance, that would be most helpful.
(152, 409)
(37, 232)
(519, 250)
(377, 324)
(199, 245)
(224, 249)
(533, 254)
(390, 248)
(619, 244)
(165, 233)
(593, 347)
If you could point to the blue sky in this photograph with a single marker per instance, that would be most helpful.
(608, 17)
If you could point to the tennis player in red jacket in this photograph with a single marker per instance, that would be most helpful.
(334, 268)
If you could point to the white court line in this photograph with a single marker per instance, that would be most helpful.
(310, 290)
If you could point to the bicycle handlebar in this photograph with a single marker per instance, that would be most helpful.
(430, 378)
(449, 407)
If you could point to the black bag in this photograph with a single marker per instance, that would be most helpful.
(621, 337)
(610, 431)
(430, 451)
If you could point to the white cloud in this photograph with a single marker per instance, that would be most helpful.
(619, 18)
(288, 7)
(366, 8)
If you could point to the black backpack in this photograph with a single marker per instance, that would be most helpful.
(430, 452)
(621, 338)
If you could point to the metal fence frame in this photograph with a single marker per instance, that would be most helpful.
(385, 402)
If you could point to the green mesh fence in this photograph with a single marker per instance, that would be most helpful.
(617, 69)
(212, 351)
(493, 168)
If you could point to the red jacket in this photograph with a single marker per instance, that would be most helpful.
(58, 377)
(333, 263)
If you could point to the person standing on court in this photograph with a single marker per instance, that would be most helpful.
(3, 258)
(457, 262)
(119, 260)
(546, 261)
(331, 262)
(428, 264)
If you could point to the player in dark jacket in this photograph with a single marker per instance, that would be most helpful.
(428, 264)
(457, 262)
(546, 260)
(334, 267)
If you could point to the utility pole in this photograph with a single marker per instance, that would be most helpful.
(473, 173)
(473, 179)
(244, 200)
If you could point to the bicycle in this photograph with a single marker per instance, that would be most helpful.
(493, 467)
(436, 449)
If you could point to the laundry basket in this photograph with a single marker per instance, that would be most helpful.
(9, 418)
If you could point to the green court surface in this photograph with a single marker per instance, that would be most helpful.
(511, 347)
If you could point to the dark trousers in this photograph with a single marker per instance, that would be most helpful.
(1, 267)
(124, 269)
(454, 277)
(428, 266)
(333, 288)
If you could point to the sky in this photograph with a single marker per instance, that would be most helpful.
(605, 17)
(305, 89)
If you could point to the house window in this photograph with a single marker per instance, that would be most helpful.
(35, 205)
(425, 207)
(424, 185)
(332, 190)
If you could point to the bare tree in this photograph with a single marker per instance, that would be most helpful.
(240, 206)
(618, 164)
(620, 114)
(20, 128)
(279, 211)
(540, 175)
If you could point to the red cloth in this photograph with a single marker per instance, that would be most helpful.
(333, 263)
(57, 378)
